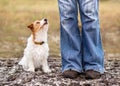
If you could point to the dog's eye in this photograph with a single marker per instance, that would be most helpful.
(37, 22)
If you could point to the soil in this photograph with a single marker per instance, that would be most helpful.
(11, 74)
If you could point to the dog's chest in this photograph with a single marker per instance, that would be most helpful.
(40, 50)
(39, 54)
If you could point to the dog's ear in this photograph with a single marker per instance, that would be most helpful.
(30, 27)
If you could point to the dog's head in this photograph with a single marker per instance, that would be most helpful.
(38, 25)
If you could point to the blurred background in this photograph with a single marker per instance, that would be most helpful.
(15, 15)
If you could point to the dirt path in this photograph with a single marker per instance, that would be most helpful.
(12, 75)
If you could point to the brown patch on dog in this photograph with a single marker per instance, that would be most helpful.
(31, 27)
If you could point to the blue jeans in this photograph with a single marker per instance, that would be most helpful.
(80, 52)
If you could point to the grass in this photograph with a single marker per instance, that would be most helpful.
(15, 15)
(110, 26)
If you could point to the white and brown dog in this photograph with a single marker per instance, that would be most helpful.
(37, 50)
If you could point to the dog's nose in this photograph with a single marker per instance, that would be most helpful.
(45, 20)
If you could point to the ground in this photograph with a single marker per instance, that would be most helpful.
(11, 74)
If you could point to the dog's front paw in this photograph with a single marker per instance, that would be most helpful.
(47, 70)
(31, 70)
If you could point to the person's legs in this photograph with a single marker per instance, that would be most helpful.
(93, 56)
(70, 36)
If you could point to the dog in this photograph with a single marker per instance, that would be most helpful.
(37, 49)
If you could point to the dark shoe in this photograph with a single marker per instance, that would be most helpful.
(70, 74)
(91, 74)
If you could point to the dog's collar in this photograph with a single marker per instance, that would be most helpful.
(39, 43)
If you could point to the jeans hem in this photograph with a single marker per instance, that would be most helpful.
(96, 69)
(80, 71)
